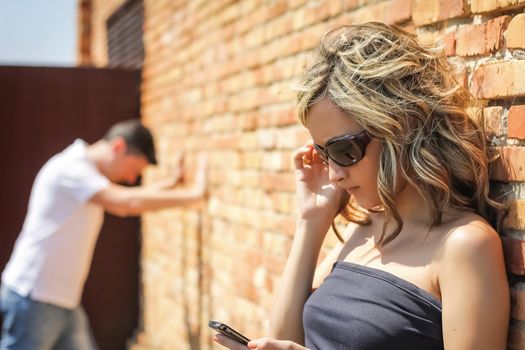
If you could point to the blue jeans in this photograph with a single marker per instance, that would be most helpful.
(32, 325)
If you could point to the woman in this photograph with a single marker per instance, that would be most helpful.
(420, 266)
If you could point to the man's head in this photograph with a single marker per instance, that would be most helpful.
(132, 150)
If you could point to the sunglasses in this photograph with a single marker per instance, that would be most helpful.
(344, 150)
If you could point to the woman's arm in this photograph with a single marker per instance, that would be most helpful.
(296, 284)
(474, 289)
(318, 204)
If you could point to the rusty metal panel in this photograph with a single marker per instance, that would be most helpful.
(42, 111)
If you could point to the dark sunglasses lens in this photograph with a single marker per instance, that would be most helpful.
(345, 152)
(321, 153)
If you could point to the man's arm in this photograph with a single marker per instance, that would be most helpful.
(133, 201)
(175, 174)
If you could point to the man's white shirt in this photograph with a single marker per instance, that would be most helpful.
(53, 253)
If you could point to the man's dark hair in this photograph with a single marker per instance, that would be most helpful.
(138, 138)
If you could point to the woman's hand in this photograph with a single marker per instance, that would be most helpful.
(317, 198)
(258, 344)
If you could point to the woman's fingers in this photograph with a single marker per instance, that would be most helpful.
(228, 343)
(301, 154)
(261, 344)
(315, 156)
(305, 155)
(273, 344)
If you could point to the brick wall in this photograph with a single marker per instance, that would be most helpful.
(218, 78)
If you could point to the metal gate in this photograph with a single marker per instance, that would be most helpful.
(43, 110)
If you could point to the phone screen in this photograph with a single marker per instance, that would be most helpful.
(229, 332)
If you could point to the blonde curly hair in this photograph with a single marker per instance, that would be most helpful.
(404, 95)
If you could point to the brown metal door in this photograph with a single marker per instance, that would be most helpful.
(42, 111)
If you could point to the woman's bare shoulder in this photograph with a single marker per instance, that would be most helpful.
(468, 231)
(469, 239)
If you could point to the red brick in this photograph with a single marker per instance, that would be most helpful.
(376, 12)
(275, 264)
(296, 3)
(317, 13)
(514, 250)
(499, 80)
(517, 304)
(308, 39)
(399, 11)
(470, 40)
(516, 32)
(511, 165)
(516, 122)
(350, 4)
(287, 118)
(449, 44)
(276, 9)
(494, 32)
(516, 216)
(492, 118)
(277, 181)
(244, 288)
(335, 8)
(286, 224)
(479, 6)
(431, 11)
(451, 9)
(425, 11)
(482, 38)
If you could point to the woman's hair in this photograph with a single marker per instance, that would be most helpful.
(404, 95)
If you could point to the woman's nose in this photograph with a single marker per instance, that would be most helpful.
(336, 173)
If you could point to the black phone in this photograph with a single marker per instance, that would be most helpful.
(229, 332)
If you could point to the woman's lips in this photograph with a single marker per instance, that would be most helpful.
(351, 190)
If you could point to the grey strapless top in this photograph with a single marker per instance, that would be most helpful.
(362, 308)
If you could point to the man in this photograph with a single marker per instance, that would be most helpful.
(43, 281)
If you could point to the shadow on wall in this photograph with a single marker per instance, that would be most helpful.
(193, 331)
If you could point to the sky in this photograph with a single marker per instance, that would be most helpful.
(38, 32)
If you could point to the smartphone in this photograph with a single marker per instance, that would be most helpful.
(229, 332)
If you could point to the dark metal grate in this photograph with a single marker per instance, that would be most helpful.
(125, 29)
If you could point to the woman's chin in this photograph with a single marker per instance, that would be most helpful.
(367, 203)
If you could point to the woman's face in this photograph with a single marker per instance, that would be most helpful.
(325, 122)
